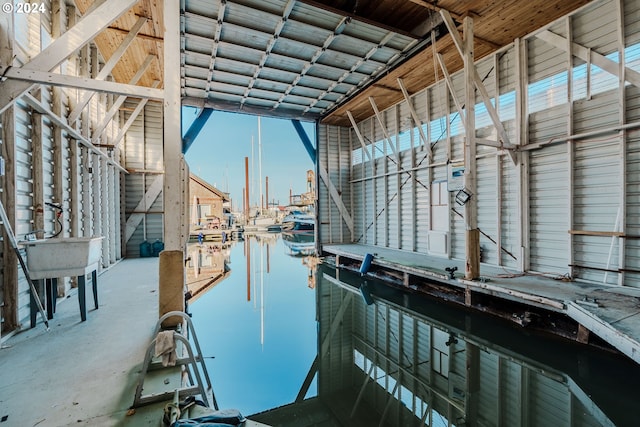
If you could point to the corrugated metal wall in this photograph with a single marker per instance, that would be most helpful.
(52, 168)
(558, 210)
(334, 156)
(23, 197)
(143, 159)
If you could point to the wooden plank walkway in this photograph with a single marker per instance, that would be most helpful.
(612, 313)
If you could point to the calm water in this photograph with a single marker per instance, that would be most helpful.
(402, 360)
(260, 330)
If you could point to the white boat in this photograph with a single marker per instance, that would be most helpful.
(298, 221)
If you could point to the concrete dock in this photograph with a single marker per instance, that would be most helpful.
(84, 373)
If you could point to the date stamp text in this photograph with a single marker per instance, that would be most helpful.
(23, 8)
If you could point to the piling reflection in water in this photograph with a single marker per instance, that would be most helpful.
(293, 356)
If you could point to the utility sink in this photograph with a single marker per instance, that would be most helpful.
(64, 257)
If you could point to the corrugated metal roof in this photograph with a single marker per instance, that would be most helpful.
(335, 54)
(282, 58)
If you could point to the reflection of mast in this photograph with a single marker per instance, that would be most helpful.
(261, 298)
(247, 205)
(253, 174)
(247, 254)
(254, 282)
(260, 163)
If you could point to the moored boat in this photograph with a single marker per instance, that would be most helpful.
(298, 221)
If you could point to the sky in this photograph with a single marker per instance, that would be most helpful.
(217, 155)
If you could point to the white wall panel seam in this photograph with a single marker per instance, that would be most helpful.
(620, 19)
(570, 147)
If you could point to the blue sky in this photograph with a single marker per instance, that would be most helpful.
(218, 153)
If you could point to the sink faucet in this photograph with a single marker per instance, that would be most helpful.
(31, 236)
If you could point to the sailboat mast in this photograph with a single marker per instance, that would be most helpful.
(260, 163)
(253, 177)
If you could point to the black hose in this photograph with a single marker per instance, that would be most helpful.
(58, 215)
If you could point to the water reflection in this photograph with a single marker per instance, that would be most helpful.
(207, 265)
(257, 326)
(295, 344)
(299, 243)
(408, 361)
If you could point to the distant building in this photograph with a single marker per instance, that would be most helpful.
(308, 198)
(210, 207)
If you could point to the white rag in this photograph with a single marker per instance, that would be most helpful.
(166, 347)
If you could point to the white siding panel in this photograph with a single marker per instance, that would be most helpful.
(548, 210)
(487, 201)
(357, 196)
(632, 219)
(422, 186)
(143, 153)
(631, 21)
(596, 27)
(393, 200)
(407, 185)
(509, 213)
(597, 186)
(24, 198)
(596, 205)
(381, 210)
(325, 205)
(334, 155)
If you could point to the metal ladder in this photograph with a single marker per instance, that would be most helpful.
(192, 363)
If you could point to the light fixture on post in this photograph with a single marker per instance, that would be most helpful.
(463, 196)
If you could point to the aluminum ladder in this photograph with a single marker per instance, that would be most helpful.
(191, 363)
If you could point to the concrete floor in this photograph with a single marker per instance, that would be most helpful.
(84, 373)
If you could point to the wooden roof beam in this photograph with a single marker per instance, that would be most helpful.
(434, 7)
(61, 48)
(107, 68)
(458, 42)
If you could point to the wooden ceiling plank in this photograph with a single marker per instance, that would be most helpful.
(108, 67)
(118, 102)
(139, 36)
(501, 22)
(351, 15)
(436, 8)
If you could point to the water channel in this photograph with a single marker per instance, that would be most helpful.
(281, 330)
